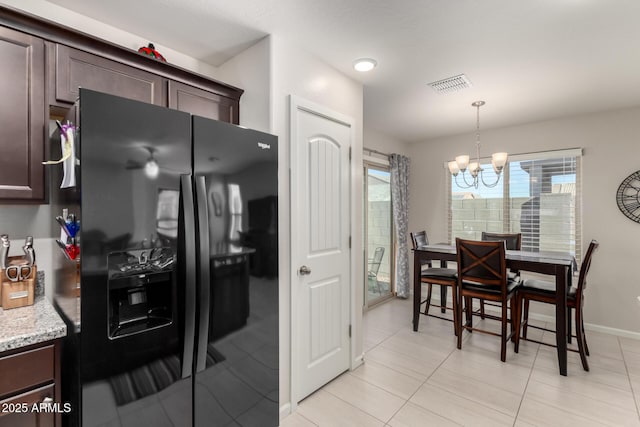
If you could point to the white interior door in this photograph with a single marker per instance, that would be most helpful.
(320, 247)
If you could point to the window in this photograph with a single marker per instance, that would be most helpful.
(538, 195)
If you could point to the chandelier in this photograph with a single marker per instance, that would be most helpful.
(461, 163)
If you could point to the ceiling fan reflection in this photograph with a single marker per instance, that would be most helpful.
(150, 166)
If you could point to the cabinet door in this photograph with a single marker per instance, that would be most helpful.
(202, 103)
(22, 115)
(75, 69)
(19, 411)
(27, 369)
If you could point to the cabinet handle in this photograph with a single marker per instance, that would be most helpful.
(47, 400)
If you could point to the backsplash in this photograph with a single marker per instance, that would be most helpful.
(39, 290)
(19, 221)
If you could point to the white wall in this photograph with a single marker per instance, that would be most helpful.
(384, 143)
(251, 71)
(296, 72)
(611, 152)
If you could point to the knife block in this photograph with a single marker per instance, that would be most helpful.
(20, 293)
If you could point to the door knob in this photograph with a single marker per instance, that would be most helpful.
(304, 270)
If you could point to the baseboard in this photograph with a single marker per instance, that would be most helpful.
(588, 326)
(285, 410)
(591, 327)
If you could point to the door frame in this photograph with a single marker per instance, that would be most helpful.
(296, 104)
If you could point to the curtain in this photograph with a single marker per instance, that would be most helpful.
(400, 200)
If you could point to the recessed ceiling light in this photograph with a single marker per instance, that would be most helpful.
(365, 64)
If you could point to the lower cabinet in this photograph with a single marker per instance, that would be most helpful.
(33, 408)
(30, 386)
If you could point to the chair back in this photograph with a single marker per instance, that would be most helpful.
(376, 261)
(482, 263)
(586, 265)
(419, 239)
(513, 241)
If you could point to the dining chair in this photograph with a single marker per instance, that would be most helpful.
(513, 242)
(482, 273)
(436, 276)
(419, 238)
(543, 291)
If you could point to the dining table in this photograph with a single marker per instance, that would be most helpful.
(558, 264)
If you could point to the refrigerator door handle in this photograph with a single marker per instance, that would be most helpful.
(204, 277)
(188, 278)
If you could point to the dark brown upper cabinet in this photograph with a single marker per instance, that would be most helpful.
(22, 116)
(202, 103)
(76, 69)
(43, 64)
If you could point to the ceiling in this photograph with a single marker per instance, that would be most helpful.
(530, 60)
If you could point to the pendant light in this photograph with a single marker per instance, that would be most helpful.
(476, 173)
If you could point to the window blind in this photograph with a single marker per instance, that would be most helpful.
(538, 195)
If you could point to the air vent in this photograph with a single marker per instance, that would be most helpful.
(451, 84)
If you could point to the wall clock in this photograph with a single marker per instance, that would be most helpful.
(628, 197)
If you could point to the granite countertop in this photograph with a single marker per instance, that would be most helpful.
(33, 324)
(23, 326)
(70, 307)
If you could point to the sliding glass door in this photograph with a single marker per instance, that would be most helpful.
(378, 234)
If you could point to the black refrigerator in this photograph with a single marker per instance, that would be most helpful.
(158, 239)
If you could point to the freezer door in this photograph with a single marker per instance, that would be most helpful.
(236, 379)
(137, 248)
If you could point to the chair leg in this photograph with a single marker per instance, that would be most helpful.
(458, 316)
(482, 309)
(443, 299)
(503, 336)
(581, 340)
(428, 302)
(454, 305)
(569, 325)
(513, 310)
(584, 338)
(525, 318)
(468, 306)
(518, 320)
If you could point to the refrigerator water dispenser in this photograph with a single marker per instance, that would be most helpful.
(139, 291)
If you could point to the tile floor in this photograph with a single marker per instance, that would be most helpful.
(422, 379)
